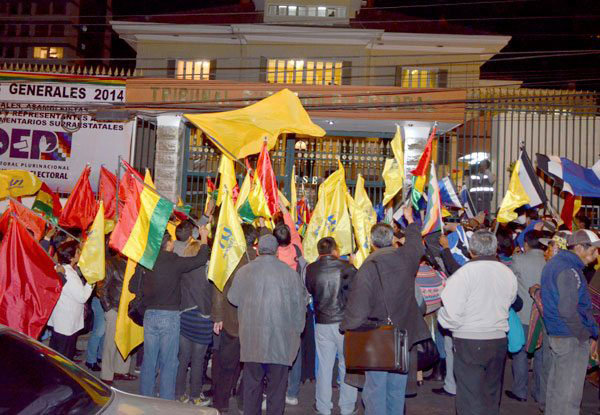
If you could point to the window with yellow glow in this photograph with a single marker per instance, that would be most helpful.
(47, 52)
(193, 69)
(419, 78)
(300, 71)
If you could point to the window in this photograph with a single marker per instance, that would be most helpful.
(299, 71)
(312, 11)
(419, 78)
(47, 52)
(193, 69)
(57, 30)
(41, 30)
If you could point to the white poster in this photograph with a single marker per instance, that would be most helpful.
(45, 128)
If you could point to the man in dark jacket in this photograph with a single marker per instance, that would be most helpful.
(113, 365)
(385, 283)
(161, 290)
(226, 363)
(324, 281)
(569, 321)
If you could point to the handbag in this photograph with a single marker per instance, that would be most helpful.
(136, 308)
(380, 347)
(516, 334)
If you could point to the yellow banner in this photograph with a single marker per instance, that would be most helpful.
(17, 183)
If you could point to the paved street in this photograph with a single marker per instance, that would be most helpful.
(426, 403)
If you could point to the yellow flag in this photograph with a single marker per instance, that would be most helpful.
(515, 197)
(240, 133)
(91, 261)
(17, 183)
(284, 199)
(393, 170)
(226, 177)
(363, 219)
(229, 244)
(128, 335)
(330, 217)
(293, 197)
(244, 191)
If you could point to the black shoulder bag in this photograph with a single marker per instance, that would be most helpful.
(384, 347)
(136, 307)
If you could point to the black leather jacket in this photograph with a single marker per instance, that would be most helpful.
(113, 283)
(328, 281)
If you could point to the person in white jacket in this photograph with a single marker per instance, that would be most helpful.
(476, 302)
(67, 316)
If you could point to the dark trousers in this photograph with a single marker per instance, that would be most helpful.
(253, 387)
(479, 368)
(226, 369)
(64, 345)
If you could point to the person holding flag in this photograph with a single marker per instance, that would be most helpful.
(161, 291)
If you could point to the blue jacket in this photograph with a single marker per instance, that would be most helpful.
(565, 297)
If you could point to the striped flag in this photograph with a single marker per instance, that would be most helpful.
(523, 189)
(420, 172)
(138, 233)
(571, 177)
(255, 205)
(433, 216)
(467, 202)
(448, 194)
(47, 204)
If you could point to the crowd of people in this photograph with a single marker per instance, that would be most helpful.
(279, 321)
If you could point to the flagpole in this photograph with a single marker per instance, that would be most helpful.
(118, 185)
(147, 186)
(45, 220)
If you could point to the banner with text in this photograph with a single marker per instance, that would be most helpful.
(45, 128)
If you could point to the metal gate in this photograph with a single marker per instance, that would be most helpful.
(477, 155)
(144, 146)
(314, 159)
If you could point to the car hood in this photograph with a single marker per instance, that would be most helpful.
(124, 403)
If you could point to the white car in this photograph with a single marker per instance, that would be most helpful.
(36, 380)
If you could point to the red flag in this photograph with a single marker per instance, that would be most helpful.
(33, 222)
(265, 172)
(81, 207)
(130, 169)
(107, 192)
(29, 285)
(425, 159)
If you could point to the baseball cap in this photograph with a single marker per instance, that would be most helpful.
(560, 237)
(583, 237)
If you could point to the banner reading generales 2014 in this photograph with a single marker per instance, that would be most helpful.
(37, 134)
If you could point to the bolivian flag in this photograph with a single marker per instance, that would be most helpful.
(138, 233)
(47, 203)
(255, 205)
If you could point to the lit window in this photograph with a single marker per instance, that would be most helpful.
(193, 69)
(341, 12)
(300, 71)
(302, 11)
(292, 10)
(419, 78)
(282, 11)
(312, 11)
(47, 52)
(331, 12)
(272, 10)
(321, 11)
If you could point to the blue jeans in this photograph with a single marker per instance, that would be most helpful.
(161, 346)
(520, 371)
(96, 340)
(295, 376)
(383, 393)
(330, 342)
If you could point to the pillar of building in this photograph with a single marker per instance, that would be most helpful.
(170, 142)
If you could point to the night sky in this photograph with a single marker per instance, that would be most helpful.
(558, 31)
